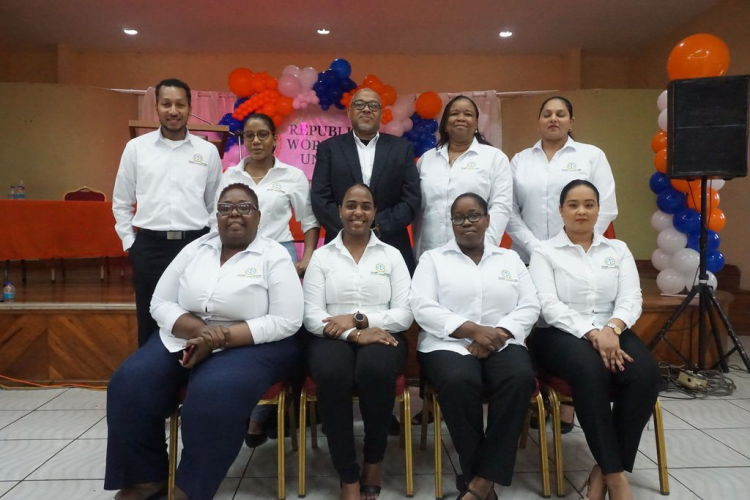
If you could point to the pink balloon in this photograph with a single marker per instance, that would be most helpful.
(394, 127)
(407, 124)
(291, 70)
(308, 77)
(403, 108)
(289, 85)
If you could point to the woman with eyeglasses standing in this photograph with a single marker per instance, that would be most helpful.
(475, 304)
(227, 308)
(463, 161)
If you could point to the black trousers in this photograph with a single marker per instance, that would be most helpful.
(340, 369)
(507, 378)
(612, 432)
(150, 255)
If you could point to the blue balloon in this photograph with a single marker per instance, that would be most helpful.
(670, 201)
(715, 261)
(234, 125)
(658, 182)
(330, 77)
(231, 141)
(714, 240)
(225, 119)
(416, 119)
(432, 126)
(687, 221)
(348, 85)
(342, 68)
(431, 142)
(239, 102)
(339, 105)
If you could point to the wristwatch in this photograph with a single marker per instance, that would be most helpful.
(615, 328)
(359, 320)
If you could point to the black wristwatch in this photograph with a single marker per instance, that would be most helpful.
(359, 320)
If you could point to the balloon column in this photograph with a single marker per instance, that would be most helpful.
(299, 89)
(678, 219)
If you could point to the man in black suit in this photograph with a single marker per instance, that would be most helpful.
(382, 161)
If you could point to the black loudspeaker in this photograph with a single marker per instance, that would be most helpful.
(708, 127)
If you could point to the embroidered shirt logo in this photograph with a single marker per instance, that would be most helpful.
(276, 186)
(198, 160)
(250, 272)
(610, 263)
(571, 167)
(472, 165)
(505, 275)
(380, 270)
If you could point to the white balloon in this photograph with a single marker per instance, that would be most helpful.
(308, 77)
(693, 280)
(686, 261)
(662, 120)
(670, 281)
(661, 101)
(661, 221)
(716, 183)
(294, 70)
(661, 259)
(671, 240)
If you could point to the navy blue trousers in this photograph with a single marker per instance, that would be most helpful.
(222, 391)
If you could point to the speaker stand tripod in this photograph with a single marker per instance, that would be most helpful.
(708, 308)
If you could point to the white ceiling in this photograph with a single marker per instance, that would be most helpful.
(605, 27)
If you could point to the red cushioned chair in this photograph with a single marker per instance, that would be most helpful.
(309, 396)
(275, 395)
(83, 193)
(559, 391)
(432, 406)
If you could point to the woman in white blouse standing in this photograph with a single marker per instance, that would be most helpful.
(356, 305)
(235, 298)
(281, 189)
(540, 172)
(463, 161)
(476, 303)
(590, 294)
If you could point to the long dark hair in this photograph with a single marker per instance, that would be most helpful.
(444, 123)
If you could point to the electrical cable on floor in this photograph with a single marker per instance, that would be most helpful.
(717, 383)
(33, 386)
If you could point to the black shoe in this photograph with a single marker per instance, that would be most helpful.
(394, 428)
(255, 440)
(565, 427)
(417, 419)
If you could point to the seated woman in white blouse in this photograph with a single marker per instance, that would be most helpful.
(475, 304)
(590, 294)
(463, 161)
(357, 305)
(235, 298)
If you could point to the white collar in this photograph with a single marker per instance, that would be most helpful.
(338, 241)
(160, 137)
(256, 246)
(473, 147)
(570, 143)
(372, 141)
(562, 240)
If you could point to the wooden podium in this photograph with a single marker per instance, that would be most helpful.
(194, 128)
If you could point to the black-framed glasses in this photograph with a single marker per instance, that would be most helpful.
(473, 217)
(242, 208)
(261, 134)
(359, 105)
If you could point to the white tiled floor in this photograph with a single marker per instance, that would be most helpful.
(53, 446)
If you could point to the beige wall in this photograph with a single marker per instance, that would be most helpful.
(60, 137)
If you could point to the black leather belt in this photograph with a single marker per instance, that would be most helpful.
(174, 235)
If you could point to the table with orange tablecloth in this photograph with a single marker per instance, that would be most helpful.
(31, 229)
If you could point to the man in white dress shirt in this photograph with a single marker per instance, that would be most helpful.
(172, 176)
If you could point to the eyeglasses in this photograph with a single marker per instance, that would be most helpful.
(242, 208)
(457, 220)
(359, 105)
(261, 134)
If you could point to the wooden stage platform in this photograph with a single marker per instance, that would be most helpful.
(82, 328)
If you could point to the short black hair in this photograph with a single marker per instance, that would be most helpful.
(362, 185)
(239, 185)
(565, 101)
(576, 183)
(480, 201)
(264, 118)
(174, 82)
(442, 128)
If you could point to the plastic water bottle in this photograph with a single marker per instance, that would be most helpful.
(20, 190)
(9, 292)
(12, 192)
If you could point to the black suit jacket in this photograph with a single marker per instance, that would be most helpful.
(394, 183)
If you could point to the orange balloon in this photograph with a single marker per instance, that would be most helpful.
(660, 161)
(258, 83)
(659, 141)
(269, 109)
(240, 82)
(284, 105)
(685, 186)
(698, 56)
(373, 82)
(428, 105)
(694, 200)
(278, 120)
(388, 95)
(271, 83)
(717, 220)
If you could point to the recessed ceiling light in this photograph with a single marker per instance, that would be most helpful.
(506, 34)
(323, 31)
(129, 31)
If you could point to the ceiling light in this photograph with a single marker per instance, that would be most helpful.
(323, 31)
(129, 31)
(506, 34)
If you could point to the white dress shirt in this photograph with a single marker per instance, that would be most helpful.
(258, 285)
(537, 184)
(481, 169)
(283, 189)
(173, 182)
(449, 289)
(378, 286)
(580, 291)
(366, 153)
